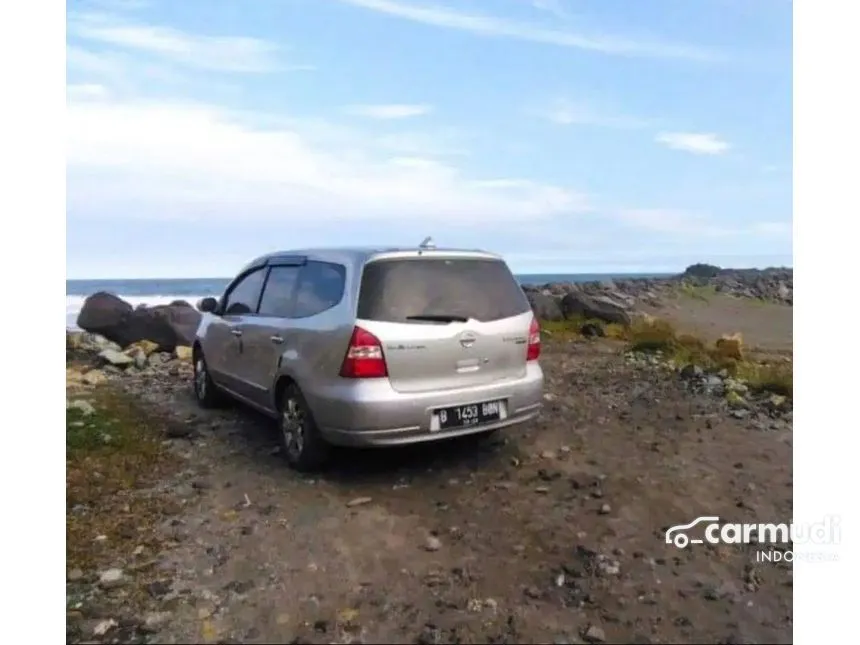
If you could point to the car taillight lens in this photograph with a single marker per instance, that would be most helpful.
(364, 357)
(534, 341)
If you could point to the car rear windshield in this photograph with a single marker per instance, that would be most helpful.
(405, 290)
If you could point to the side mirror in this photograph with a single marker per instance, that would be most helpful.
(208, 305)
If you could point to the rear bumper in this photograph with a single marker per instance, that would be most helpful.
(371, 413)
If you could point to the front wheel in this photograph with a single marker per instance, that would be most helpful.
(303, 446)
(205, 390)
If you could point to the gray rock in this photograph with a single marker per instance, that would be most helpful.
(85, 407)
(112, 578)
(691, 371)
(115, 358)
(545, 307)
(594, 634)
(575, 304)
(432, 543)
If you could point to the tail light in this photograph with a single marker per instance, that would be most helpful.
(533, 352)
(364, 357)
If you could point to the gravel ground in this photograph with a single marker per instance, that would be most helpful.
(550, 533)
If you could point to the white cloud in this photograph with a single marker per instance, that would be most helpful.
(485, 25)
(179, 160)
(688, 225)
(221, 53)
(553, 7)
(699, 143)
(565, 112)
(84, 91)
(673, 222)
(390, 111)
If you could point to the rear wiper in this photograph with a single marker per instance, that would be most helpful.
(444, 318)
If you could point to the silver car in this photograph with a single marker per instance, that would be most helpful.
(372, 347)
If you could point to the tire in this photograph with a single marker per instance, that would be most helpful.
(301, 442)
(206, 392)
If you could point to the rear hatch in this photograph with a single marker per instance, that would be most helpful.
(445, 322)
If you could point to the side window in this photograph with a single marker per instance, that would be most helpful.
(278, 293)
(321, 287)
(243, 297)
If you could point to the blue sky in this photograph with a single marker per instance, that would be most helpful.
(569, 135)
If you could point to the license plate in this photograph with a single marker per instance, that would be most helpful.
(463, 416)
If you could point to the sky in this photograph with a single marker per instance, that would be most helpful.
(568, 135)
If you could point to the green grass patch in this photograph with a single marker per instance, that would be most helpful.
(652, 336)
(776, 378)
(571, 328)
(697, 292)
(114, 455)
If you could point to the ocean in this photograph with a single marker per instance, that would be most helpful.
(163, 291)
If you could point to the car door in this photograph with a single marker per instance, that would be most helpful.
(265, 335)
(224, 345)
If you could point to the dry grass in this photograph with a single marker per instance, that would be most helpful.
(113, 456)
(775, 377)
(650, 335)
(571, 328)
(697, 292)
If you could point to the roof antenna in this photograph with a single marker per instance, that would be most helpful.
(428, 243)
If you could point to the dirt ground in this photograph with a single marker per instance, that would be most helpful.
(765, 326)
(551, 533)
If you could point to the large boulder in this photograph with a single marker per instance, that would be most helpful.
(577, 304)
(544, 307)
(103, 313)
(168, 326)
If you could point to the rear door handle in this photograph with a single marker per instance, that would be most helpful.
(236, 332)
(278, 340)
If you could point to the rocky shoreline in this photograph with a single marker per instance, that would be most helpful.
(611, 301)
(774, 285)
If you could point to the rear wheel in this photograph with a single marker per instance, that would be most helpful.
(205, 390)
(303, 446)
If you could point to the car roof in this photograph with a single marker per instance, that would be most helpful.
(358, 254)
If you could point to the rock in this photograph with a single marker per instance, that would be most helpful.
(592, 330)
(359, 501)
(145, 346)
(183, 353)
(594, 634)
(702, 271)
(103, 313)
(115, 358)
(165, 325)
(777, 402)
(112, 578)
(139, 357)
(735, 400)
(85, 407)
(432, 543)
(104, 626)
(732, 385)
(544, 307)
(605, 509)
(690, 372)
(577, 304)
(94, 377)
